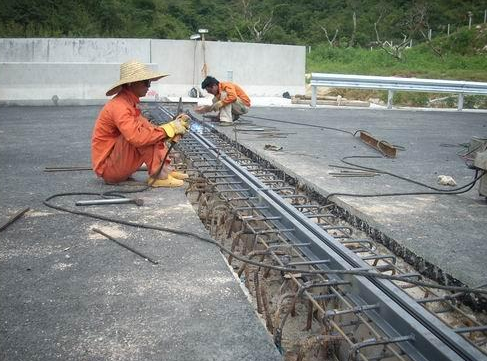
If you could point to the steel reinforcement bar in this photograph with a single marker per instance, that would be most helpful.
(402, 321)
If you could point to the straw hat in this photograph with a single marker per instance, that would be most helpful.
(133, 71)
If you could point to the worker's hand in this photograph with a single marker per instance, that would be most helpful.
(217, 106)
(202, 109)
(178, 126)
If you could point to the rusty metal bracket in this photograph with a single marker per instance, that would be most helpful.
(381, 145)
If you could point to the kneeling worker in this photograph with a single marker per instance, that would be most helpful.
(229, 99)
(123, 139)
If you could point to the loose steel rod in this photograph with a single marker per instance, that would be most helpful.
(125, 246)
(378, 257)
(100, 202)
(308, 263)
(260, 218)
(250, 208)
(355, 310)
(13, 218)
(470, 329)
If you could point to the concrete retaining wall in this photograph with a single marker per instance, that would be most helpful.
(77, 71)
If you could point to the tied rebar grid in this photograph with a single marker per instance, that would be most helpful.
(225, 204)
(446, 305)
(354, 330)
(231, 212)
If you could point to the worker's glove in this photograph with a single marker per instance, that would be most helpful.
(178, 126)
(217, 106)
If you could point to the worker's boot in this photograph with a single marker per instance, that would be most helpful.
(179, 175)
(169, 182)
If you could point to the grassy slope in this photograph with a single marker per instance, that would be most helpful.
(463, 58)
(418, 62)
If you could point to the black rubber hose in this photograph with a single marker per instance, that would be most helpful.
(470, 185)
(47, 203)
(396, 175)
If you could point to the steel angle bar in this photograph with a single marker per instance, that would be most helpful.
(397, 314)
(382, 146)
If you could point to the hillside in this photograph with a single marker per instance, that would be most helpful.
(341, 23)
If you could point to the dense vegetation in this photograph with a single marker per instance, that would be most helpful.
(343, 36)
(303, 22)
(462, 55)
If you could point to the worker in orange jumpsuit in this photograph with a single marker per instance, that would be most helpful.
(123, 139)
(229, 100)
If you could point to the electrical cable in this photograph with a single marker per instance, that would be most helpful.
(470, 185)
(398, 147)
(395, 175)
(296, 123)
(47, 203)
(246, 260)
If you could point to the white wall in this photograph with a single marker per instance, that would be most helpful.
(74, 50)
(77, 71)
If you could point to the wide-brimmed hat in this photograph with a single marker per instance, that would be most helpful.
(133, 71)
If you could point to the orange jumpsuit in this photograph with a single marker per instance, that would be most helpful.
(233, 92)
(123, 140)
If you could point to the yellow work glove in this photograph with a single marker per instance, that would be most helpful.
(178, 126)
(216, 107)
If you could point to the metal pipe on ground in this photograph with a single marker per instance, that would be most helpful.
(100, 202)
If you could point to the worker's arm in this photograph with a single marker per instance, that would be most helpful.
(135, 128)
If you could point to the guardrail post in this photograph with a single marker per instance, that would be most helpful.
(313, 95)
(390, 95)
(460, 102)
(394, 84)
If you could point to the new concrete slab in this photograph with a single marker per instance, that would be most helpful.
(444, 235)
(67, 293)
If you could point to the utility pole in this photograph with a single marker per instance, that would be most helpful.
(202, 32)
(470, 14)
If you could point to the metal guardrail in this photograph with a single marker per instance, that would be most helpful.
(392, 84)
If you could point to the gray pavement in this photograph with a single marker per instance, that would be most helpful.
(444, 236)
(66, 293)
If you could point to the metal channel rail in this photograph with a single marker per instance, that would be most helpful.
(387, 323)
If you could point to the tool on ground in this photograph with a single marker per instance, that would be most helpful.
(100, 202)
(78, 168)
(65, 169)
(125, 246)
(381, 145)
(13, 218)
